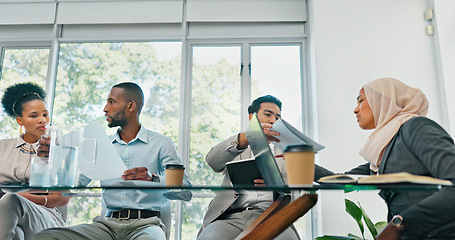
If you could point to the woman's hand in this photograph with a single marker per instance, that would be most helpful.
(44, 146)
(390, 232)
(53, 199)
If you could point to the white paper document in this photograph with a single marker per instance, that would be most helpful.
(100, 161)
(289, 135)
(118, 182)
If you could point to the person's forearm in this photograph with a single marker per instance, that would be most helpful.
(321, 172)
(49, 200)
(57, 200)
(223, 153)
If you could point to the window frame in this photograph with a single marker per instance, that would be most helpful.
(295, 33)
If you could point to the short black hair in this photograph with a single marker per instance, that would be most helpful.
(256, 104)
(132, 92)
(17, 95)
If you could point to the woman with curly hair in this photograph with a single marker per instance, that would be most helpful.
(26, 213)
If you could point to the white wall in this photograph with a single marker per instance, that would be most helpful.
(444, 24)
(353, 42)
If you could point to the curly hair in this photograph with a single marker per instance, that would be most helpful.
(17, 95)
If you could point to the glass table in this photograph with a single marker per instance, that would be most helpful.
(310, 193)
(316, 187)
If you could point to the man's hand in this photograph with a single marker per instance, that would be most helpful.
(139, 173)
(269, 133)
(243, 141)
(44, 146)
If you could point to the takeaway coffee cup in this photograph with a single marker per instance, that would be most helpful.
(299, 165)
(174, 174)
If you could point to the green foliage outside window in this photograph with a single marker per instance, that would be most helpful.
(21, 65)
(87, 71)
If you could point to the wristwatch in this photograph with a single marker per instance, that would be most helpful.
(397, 221)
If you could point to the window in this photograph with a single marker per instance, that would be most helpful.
(215, 115)
(275, 70)
(197, 103)
(219, 82)
(87, 72)
(215, 108)
(21, 65)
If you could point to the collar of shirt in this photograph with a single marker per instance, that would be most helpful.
(20, 142)
(141, 136)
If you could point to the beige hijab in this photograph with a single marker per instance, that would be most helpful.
(392, 103)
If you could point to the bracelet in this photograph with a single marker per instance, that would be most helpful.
(45, 200)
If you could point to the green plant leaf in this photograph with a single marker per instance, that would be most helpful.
(356, 213)
(369, 223)
(328, 237)
(380, 226)
(349, 188)
(355, 237)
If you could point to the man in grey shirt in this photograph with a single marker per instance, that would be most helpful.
(230, 212)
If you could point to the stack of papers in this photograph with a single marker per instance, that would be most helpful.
(289, 135)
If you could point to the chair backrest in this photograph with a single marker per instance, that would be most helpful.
(279, 218)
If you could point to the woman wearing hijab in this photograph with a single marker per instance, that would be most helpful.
(24, 214)
(404, 140)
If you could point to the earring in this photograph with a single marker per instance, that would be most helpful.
(20, 128)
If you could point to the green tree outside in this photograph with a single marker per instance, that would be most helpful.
(87, 71)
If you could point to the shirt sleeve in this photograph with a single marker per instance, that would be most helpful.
(168, 155)
(223, 153)
(320, 172)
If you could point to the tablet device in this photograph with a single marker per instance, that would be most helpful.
(263, 154)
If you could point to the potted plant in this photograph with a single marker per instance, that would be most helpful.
(358, 214)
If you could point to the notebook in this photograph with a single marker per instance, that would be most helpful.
(243, 172)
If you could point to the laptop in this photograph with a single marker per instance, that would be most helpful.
(263, 154)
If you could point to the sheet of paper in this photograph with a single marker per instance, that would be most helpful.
(118, 182)
(289, 135)
(100, 161)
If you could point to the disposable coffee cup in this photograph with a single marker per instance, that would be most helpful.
(174, 174)
(299, 161)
